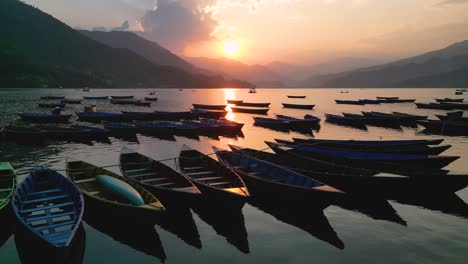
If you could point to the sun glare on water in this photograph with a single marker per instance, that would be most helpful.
(231, 48)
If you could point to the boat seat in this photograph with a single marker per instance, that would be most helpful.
(137, 170)
(45, 217)
(200, 173)
(190, 189)
(58, 235)
(209, 178)
(61, 224)
(5, 190)
(154, 180)
(193, 168)
(85, 180)
(164, 184)
(44, 192)
(46, 199)
(218, 183)
(42, 208)
(143, 175)
(92, 193)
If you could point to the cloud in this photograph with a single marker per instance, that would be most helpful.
(125, 26)
(452, 2)
(177, 23)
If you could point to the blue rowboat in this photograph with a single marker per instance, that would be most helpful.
(157, 127)
(44, 118)
(266, 178)
(101, 116)
(96, 97)
(387, 162)
(50, 206)
(121, 129)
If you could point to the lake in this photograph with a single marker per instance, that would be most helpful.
(367, 231)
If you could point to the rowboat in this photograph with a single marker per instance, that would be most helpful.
(98, 117)
(141, 103)
(407, 120)
(209, 107)
(272, 123)
(386, 162)
(209, 113)
(123, 101)
(64, 133)
(387, 98)
(311, 117)
(44, 118)
(121, 129)
(213, 128)
(122, 97)
(460, 106)
(377, 120)
(71, 101)
(409, 116)
(437, 106)
(51, 97)
(444, 127)
(23, 133)
(298, 106)
(404, 149)
(297, 96)
(8, 184)
(452, 119)
(223, 122)
(94, 132)
(451, 100)
(306, 122)
(234, 102)
(253, 104)
(355, 181)
(50, 206)
(159, 127)
(250, 110)
(169, 185)
(351, 102)
(96, 97)
(355, 122)
(369, 101)
(85, 176)
(214, 179)
(151, 99)
(166, 115)
(51, 105)
(393, 101)
(375, 143)
(268, 179)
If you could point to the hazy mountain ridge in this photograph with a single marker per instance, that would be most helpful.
(48, 43)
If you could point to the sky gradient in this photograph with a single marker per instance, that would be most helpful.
(296, 31)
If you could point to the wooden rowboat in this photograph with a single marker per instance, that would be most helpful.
(234, 102)
(8, 184)
(298, 106)
(214, 179)
(209, 107)
(297, 96)
(253, 104)
(250, 110)
(50, 206)
(169, 185)
(84, 175)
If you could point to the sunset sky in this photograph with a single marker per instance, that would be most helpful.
(261, 31)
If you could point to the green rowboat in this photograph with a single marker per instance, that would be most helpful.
(8, 183)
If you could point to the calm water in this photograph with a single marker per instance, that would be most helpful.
(368, 231)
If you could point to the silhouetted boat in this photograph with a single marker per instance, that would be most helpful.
(450, 100)
(96, 97)
(44, 118)
(268, 179)
(171, 187)
(297, 96)
(394, 101)
(253, 104)
(306, 122)
(121, 129)
(387, 98)
(444, 128)
(355, 122)
(51, 97)
(151, 99)
(409, 117)
(378, 143)
(122, 97)
(156, 127)
(66, 133)
(123, 101)
(250, 110)
(71, 101)
(50, 206)
(215, 114)
(209, 107)
(369, 101)
(436, 106)
(375, 120)
(298, 106)
(234, 102)
(51, 105)
(352, 102)
(142, 103)
(272, 123)
(98, 117)
(386, 162)
(214, 179)
(24, 134)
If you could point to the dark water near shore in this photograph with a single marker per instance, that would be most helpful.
(368, 231)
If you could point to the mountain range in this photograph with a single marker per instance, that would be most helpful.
(62, 56)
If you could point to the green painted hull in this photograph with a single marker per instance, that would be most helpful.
(8, 184)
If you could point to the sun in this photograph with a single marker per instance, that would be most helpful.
(231, 48)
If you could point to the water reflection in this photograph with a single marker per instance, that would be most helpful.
(141, 236)
(181, 224)
(375, 208)
(448, 204)
(227, 222)
(34, 250)
(310, 219)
